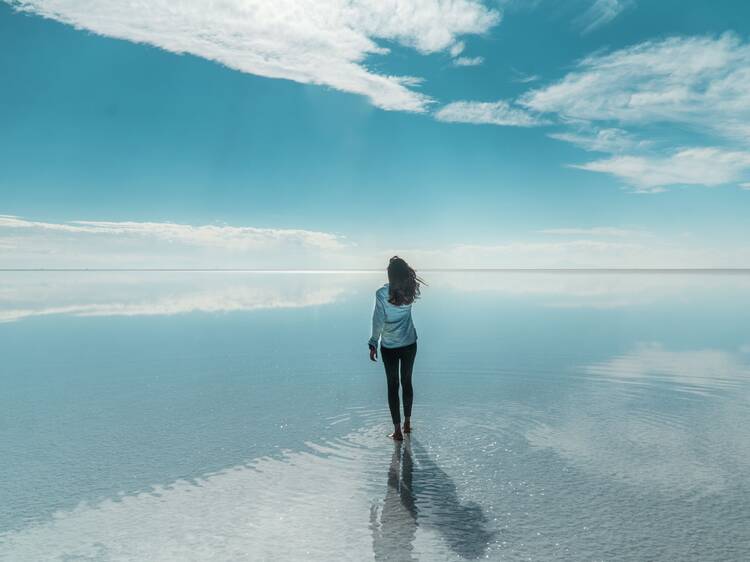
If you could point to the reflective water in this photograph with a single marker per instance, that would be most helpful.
(235, 416)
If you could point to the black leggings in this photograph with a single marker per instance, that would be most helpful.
(391, 358)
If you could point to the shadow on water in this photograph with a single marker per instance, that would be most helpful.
(425, 496)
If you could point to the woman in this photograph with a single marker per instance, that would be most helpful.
(392, 324)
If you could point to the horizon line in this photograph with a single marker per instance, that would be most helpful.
(367, 270)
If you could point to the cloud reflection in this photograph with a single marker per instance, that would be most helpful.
(307, 505)
(648, 432)
(690, 370)
(312, 504)
(150, 294)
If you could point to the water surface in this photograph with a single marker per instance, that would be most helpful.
(230, 416)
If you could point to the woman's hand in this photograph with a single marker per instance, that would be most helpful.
(373, 353)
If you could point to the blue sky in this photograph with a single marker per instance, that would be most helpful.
(332, 134)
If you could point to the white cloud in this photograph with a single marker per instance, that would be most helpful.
(159, 244)
(600, 13)
(596, 231)
(702, 82)
(106, 244)
(493, 113)
(457, 48)
(525, 78)
(602, 140)
(624, 252)
(573, 253)
(745, 185)
(230, 237)
(310, 41)
(698, 83)
(693, 166)
(468, 61)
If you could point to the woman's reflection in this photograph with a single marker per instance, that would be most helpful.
(463, 526)
(393, 533)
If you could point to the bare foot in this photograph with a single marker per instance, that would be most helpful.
(407, 427)
(397, 435)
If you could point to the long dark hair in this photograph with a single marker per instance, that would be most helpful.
(403, 283)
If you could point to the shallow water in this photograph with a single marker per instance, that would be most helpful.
(230, 416)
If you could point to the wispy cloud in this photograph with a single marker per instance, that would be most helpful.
(610, 140)
(526, 78)
(129, 244)
(596, 231)
(317, 42)
(468, 61)
(600, 13)
(231, 237)
(697, 81)
(492, 113)
(156, 244)
(693, 166)
(639, 250)
(457, 48)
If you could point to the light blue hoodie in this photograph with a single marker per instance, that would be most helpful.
(390, 323)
